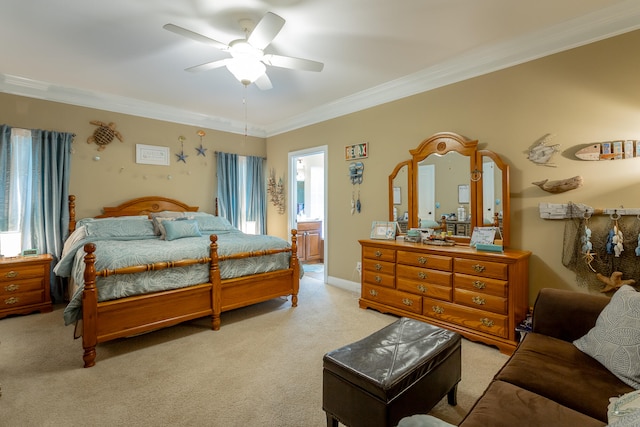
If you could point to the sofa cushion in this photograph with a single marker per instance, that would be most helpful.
(506, 405)
(557, 370)
(615, 339)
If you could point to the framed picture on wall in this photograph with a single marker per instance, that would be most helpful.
(463, 193)
(152, 155)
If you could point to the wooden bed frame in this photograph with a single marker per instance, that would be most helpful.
(108, 320)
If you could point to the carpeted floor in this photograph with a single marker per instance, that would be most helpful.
(263, 368)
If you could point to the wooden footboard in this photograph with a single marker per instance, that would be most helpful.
(104, 321)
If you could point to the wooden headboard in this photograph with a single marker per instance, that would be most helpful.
(138, 206)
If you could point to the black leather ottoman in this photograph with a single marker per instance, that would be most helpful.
(401, 370)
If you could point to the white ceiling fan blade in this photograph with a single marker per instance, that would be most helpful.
(195, 36)
(292, 63)
(208, 66)
(266, 30)
(263, 82)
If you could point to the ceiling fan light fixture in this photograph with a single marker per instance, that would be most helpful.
(246, 70)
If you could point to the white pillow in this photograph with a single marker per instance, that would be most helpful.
(615, 339)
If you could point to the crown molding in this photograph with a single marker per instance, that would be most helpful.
(615, 20)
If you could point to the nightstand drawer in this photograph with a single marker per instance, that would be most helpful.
(19, 300)
(17, 272)
(20, 286)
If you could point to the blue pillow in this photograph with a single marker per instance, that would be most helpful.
(179, 229)
(120, 228)
(208, 222)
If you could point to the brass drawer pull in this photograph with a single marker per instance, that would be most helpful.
(422, 260)
(12, 274)
(378, 267)
(378, 279)
(479, 285)
(12, 287)
(437, 309)
(378, 254)
(422, 275)
(478, 300)
(373, 292)
(407, 301)
(12, 300)
(479, 268)
(486, 322)
(422, 288)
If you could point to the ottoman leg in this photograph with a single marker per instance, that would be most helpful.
(452, 396)
(331, 422)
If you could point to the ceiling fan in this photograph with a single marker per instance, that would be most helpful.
(248, 60)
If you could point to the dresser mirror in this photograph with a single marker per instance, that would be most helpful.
(448, 176)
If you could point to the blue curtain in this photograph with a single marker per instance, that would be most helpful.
(255, 195)
(228, 188)
(46, 221)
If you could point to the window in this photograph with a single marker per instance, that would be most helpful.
(246, 225)
(15, 232)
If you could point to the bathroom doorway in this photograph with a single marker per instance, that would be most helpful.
(308, 208)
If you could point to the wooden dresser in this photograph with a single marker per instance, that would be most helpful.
(481, 295)
(24, 285)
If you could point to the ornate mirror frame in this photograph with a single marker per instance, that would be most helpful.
(441, 144)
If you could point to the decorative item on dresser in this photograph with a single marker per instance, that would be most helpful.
(24, 284)
(481, 295)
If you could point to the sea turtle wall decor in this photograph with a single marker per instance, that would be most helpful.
(104, 134)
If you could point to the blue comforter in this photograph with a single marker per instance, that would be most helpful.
(123, 251)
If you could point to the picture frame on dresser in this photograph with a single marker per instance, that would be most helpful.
(384, 230)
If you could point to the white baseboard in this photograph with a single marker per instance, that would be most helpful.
(347, 285)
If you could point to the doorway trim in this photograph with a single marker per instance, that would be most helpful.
(291, 212)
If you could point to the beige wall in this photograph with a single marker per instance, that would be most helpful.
(585, 95)
(117, 177)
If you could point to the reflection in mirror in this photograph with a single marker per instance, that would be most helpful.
(400, 194)
(495, 190)
(438, 192)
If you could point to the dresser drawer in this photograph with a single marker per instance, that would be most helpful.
(379, 266)
(15, 272)
(437, 262)
(21, 299)
(425, 289)
(483, 302)
(482, 285)
(380, 254)
(475, 267)
(20, 286)
(425, 275)
(393, 298)
(479, 320)
(379, 279)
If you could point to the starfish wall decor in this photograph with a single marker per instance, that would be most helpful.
(201, 150)
(181, 156)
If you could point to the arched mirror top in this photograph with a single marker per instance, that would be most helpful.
(442, 143)
(447, 172)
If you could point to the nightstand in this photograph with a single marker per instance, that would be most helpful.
(24, 285)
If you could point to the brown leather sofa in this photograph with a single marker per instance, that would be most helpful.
(548, 381)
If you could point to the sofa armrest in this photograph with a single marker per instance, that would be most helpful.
(566, 315)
